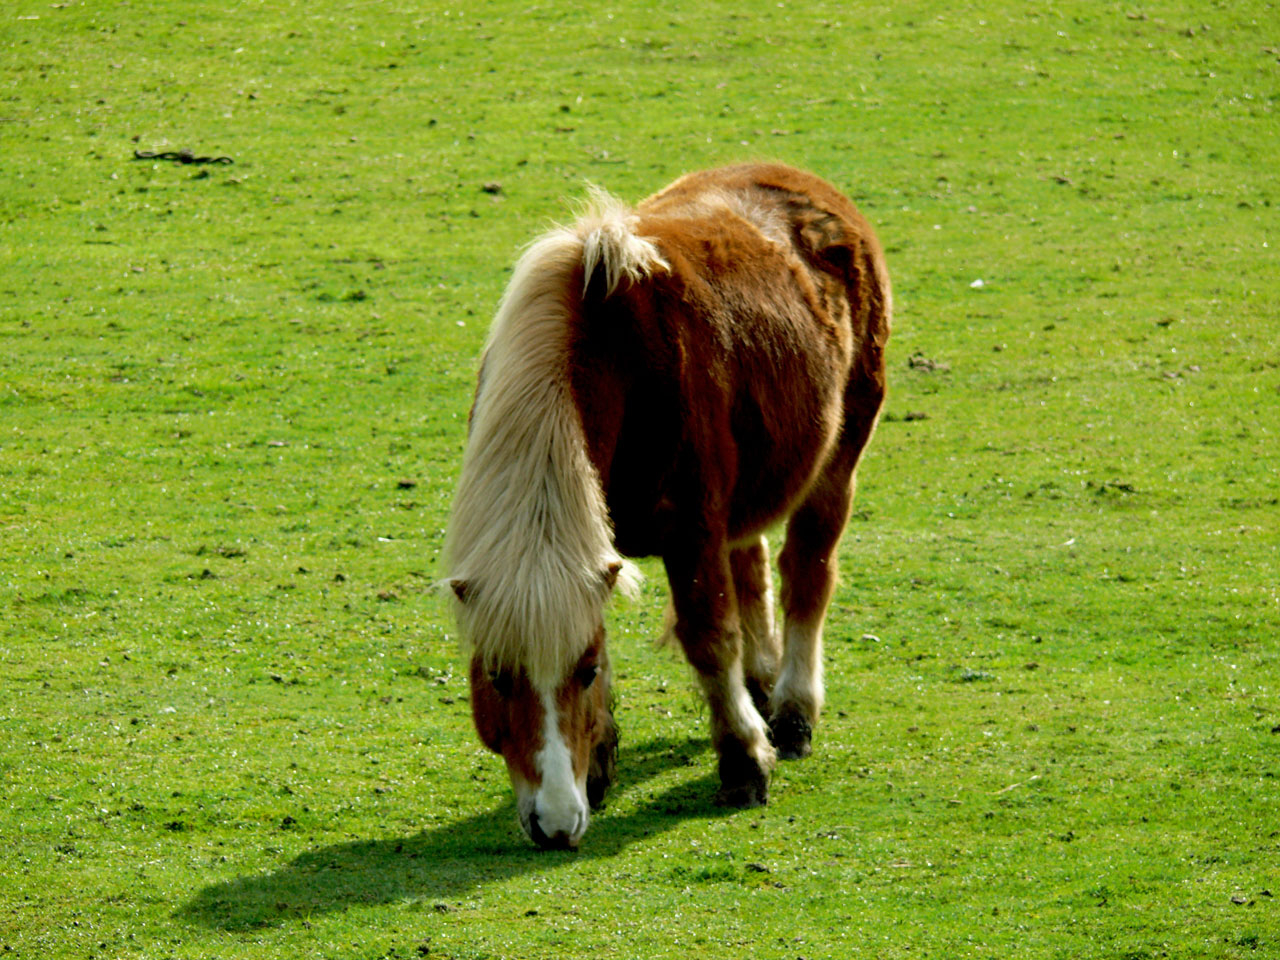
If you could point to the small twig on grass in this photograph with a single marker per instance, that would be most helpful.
(1014, 786)
(180, 156)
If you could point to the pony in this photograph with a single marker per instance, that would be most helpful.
(667, 380)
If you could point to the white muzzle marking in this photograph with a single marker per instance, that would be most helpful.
(559, 805)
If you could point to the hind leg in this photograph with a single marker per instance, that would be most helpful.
(808, 567)
(761, 649)
(709, 629)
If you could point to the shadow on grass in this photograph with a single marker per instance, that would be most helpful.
(450, 861)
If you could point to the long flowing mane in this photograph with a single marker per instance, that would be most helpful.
(530, 536)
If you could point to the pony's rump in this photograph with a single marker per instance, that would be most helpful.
(715, 389)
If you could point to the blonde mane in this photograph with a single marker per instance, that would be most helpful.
(530, 541)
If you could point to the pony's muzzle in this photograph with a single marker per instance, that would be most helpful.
(553, 827)
(560, 840)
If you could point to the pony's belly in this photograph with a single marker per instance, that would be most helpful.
(642, 531)
(754, 514)
(646, 525)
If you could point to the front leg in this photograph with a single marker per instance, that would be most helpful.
(604, 765)
(707, 625)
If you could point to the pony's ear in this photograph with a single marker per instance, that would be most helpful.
(461, 589)
(611, 574)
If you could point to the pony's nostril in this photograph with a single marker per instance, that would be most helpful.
(557, 841)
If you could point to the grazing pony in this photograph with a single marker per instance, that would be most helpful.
(669, 380)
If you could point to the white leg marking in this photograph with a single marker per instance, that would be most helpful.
(732, 712)
(800, 679)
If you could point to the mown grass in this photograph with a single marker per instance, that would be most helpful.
(231, 404)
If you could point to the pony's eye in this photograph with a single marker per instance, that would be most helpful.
(587, 675)
(501, 681)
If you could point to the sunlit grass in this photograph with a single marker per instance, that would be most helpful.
(232, 398)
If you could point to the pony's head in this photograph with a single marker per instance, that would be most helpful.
(553, 725)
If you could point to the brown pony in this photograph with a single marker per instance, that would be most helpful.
(669, 380)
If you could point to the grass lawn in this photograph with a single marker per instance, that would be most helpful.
(233, 718)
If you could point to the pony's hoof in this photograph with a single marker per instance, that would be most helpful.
(603, 768)
(791, 734)
(743, 782)
(744, 796)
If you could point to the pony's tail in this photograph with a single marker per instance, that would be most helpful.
(611, 248)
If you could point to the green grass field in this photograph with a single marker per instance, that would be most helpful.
(233, 718)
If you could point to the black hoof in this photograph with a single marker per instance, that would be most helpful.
(604, 765)
(742, 782)
(791, 733)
